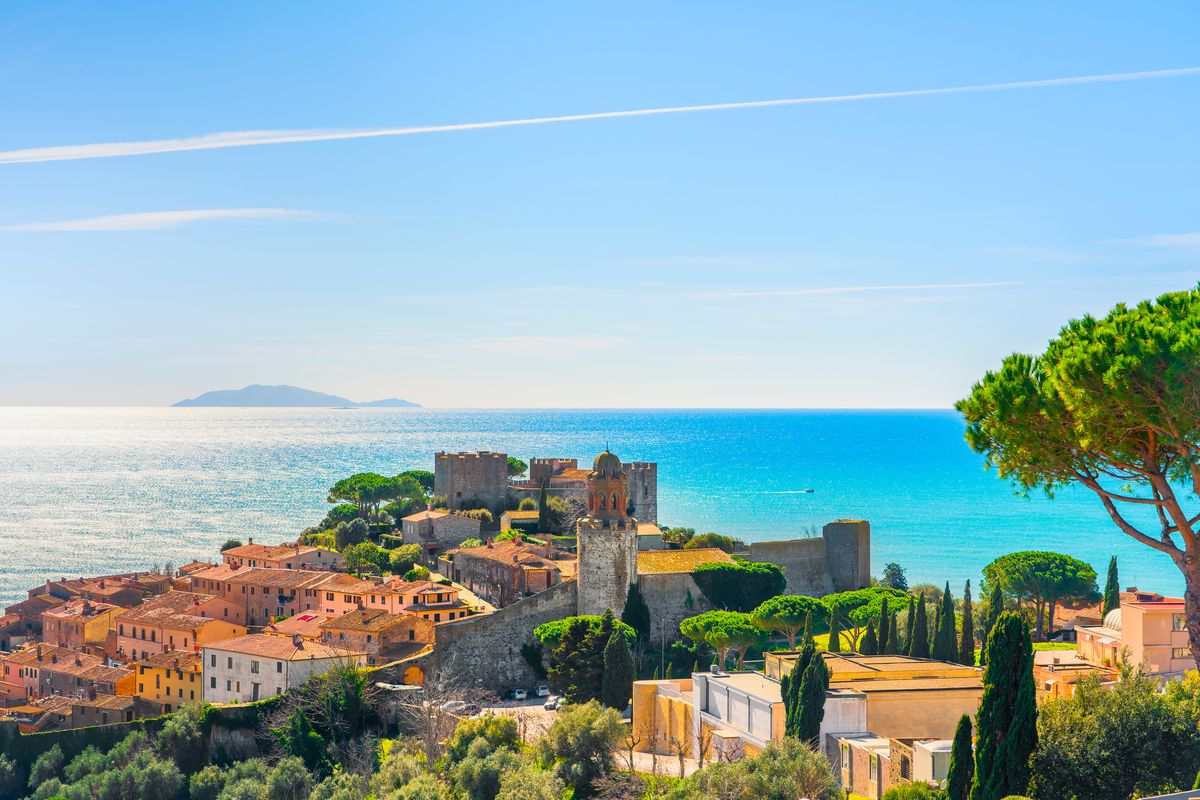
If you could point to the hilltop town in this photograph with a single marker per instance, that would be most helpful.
(494, 587)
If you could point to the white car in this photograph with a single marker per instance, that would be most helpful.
(519, 694)
(543, 691)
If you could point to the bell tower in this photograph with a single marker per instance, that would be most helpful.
(607, 539)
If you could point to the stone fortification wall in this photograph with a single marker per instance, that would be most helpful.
(542, 468)
(666, 596)
(487, 649)
(838, 561)
(643, 490)
(471, 478)
(607, 563)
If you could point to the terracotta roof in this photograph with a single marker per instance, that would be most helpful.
(105, 674)
(307, 623)
(78, 607)
(518, 514)
(173, 609)
(648, 529)
(35, 605)
(270, 576)
(183, 660)
(426, 514)
(107, 701)
(57, 659)
(508, 552)
(280, 647)
(269, 552)
(661, 562)
(366, 620)
(194, 566)
(573, 474)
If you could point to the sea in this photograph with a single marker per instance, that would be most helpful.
(86, 491)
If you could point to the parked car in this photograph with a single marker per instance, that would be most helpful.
(543, 691)
(551, 704)
(519, 694)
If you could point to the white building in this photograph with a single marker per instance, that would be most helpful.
(258, 666)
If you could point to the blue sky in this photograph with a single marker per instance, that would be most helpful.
(878, 253)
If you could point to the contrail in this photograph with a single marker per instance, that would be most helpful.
(215, 141)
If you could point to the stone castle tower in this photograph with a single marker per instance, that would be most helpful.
(607, 539)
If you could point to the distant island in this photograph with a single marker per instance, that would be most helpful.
(259, 396)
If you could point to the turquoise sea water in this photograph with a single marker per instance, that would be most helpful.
(84, 491)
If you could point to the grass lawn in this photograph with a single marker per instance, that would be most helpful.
(1053, 646)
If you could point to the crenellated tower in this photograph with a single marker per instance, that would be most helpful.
(607, 539)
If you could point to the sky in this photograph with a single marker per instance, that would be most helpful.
(882, 250)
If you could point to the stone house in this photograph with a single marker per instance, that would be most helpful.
(438, 530)
(78, 624)
(43, 670)
(259, 666)
(382, 636)
(283, 556)
(111, 709)
(502, 572)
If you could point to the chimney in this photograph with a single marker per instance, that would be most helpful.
(39, 652)
(92, 691)
(101, 583)
(250, 540)
(297, 641)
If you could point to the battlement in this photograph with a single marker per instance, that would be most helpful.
(481, 455)
(641, 466)
(469, 479)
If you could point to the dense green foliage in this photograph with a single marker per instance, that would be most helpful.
(724, 632)
(1111, 743)
(785, 614)
(918, 637)
(1044, 579)
(230, 544)
(1113, 405)
(1112, 588)
(1007, 718)
(785, 770)
(740, 586)
(945, 641)
(580, 744)
(966, 644)
(516, 466)
(403, 558)
(577, 653)
(616, 687)
(894, 577)
(726, 543)
(962, 762)
(913, 791)
(637, 614)
(366, 557)
(811, 707)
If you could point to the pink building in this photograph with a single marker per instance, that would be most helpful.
(1153, 629)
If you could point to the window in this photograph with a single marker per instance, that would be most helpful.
(437, 617)
(229, 686)
(873, 769)
(254, 667)
(329, 596)
(212, 683)
(411, 634)
(191, 694)
(1178, 623)
(279, 666)
(845, 757)
(1180, 652)
(230, 664)
(214, 659)
(168, 691)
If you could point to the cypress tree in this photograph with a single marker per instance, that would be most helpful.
(884, 632)
(894, 634)
(869, 645)
(945, 645)
(908, 625)
(791, 693)
(616, 687)
(835, 631)
(807, 636)
(1112, 588)
(637, 615)
(1007, 715)
(920, 635)
(962, 762)
(995, 609)
(811, 705)
(966, 648)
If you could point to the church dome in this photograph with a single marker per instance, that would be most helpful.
(1113, 619)
(606, 465)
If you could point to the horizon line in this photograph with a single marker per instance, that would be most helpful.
(227, 139)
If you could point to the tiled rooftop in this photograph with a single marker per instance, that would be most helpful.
(659, 562)
(279, 647)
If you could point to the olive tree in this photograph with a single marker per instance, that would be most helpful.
(1113, 405)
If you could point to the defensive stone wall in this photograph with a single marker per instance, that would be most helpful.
(607, 563)
(838, 561)
(471, 478)
(486, 650)
(671, 598)
(643, 490)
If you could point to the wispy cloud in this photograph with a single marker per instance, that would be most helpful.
(1165, 240)
(158, 220)
(214, 141)
(813, 291)
(548, 346)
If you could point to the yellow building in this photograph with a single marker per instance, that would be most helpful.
(1149, 628)
(725, 715)
(171, 678)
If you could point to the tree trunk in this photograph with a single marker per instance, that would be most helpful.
(1050, 619)
(1039, 606)
(1189, 564)
(791, 638)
